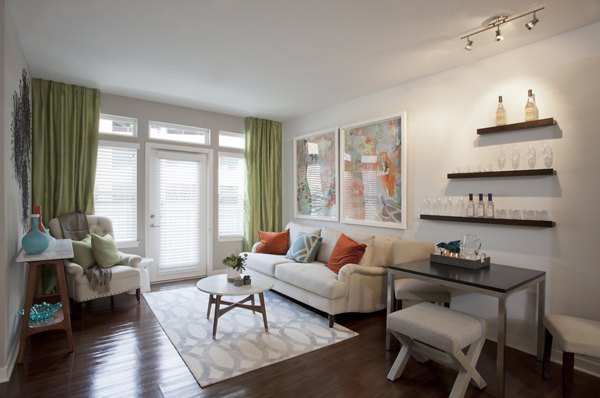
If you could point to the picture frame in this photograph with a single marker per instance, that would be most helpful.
(373, 173)
(316, 175)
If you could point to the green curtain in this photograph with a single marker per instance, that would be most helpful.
(64, 151)
(263, 179)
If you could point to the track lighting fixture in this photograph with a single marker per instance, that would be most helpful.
(529, 25)
(499, 36)
(497, 22)
(469, 45)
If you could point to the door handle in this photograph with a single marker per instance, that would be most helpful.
(152, 225)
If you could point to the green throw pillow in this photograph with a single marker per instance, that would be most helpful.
(105, 250)
(82, 252)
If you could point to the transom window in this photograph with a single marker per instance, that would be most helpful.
(232, 140)
(177, 132)
(118, 125)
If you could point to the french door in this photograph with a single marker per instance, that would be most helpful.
(177, 214)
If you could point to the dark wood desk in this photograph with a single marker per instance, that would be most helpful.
(496, 280)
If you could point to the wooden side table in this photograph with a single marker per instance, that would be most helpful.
(62, 249)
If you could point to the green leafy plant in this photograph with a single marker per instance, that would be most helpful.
(237, 262)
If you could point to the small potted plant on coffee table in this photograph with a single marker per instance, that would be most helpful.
(235, 265)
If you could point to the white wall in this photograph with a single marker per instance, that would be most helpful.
(443, 113)
(145, 111)
(12, 275)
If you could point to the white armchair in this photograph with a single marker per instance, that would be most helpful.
(126, 276)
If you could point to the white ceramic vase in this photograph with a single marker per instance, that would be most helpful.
(232, 274)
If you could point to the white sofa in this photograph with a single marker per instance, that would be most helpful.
(356, 288)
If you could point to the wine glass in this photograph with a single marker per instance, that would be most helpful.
(531, 157)
(515, 157)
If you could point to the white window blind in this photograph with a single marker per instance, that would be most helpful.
(115, 192)
(232, 171)
(179, 192)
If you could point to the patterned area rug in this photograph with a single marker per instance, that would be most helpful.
(242, 344)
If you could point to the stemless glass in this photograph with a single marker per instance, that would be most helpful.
(547, 155)
(531, 157)
(501, 158)
(515, 157)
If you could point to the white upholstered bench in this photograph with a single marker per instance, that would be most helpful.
(429, 331)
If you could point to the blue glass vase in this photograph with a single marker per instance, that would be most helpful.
(35, 241)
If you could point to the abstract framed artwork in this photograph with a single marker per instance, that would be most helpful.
(316, 175)
(373, 173)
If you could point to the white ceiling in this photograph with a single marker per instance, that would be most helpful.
(276, 59)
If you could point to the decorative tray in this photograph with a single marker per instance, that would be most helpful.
(460, 262)
(42, 312)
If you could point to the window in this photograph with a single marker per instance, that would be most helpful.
(115, 192)
(232, 177)
(176, 132)
(231, 140)
(118, 125)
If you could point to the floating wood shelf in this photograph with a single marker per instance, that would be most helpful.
(517, 126)
(507, 173)
(497, 221)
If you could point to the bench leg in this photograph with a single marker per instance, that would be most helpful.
(547, 354)
(567, 374)
(399, 364)
(331, 320)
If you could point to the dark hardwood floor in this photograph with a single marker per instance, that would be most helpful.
(121, 351)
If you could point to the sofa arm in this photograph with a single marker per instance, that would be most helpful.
(133, 260)
(347, 270)
(74, 269)
(254, 247)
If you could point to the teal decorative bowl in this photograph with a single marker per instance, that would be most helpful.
(42, 312)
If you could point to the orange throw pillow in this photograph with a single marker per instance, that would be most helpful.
(345, 251)
(273, 242)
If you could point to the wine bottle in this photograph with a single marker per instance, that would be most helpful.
(489, 209)
(531, 110)
(500, 113)
(480, 209)
(470, 206)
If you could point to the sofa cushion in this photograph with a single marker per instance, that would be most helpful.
(265, 263)
(411, 250)
(346, 251)
(382, 252)
(330, 237)
(305, 248)
(273, 242)
(314, 277)
(296, 230)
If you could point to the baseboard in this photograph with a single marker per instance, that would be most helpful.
(6, 371)
(584, 364)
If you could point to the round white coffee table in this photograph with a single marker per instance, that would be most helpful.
(217, 287)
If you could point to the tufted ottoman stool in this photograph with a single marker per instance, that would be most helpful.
(429, 331)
